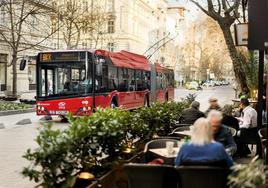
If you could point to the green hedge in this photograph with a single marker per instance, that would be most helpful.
(95, 143)
(5, 106)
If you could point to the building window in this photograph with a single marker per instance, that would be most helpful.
(85, 5)
(111, 46)
(111, 26)
(3, 15)
(84, 45)
(32, 73)
(110, 5)
(3, 71)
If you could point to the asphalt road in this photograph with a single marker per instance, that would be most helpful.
(16, 139)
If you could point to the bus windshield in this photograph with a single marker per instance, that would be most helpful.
(65, 78)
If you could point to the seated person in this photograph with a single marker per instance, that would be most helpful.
(213, 105)
(228, 119)
(220, 132)
(67, 86)
(249, 115)
(247, 120)
(190, 115)
(202, 148)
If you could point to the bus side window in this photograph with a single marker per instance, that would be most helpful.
(131, 80)
(139, 80)
(112, 78)
(147, 80)
(101, 75)
(123, 79)
(159, 80)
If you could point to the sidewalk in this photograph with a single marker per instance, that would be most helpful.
(11, 120)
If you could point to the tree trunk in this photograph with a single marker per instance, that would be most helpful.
(14, 68)
(239, 73)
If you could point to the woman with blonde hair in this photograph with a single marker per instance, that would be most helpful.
(202, 148)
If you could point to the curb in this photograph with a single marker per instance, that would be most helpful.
(14, 112)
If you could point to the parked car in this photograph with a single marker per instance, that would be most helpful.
(193, 85)
(208, 84)
(225, 82)
(218, 83)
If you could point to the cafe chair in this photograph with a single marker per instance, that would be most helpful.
(160, 143)
(179, 129)
(182, 125)
(202, 177)
(151, 176)
(263, 137)
(262, 133)
(251, 136)
(215, 163)
(233, 131)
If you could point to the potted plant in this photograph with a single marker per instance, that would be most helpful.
(252, 175)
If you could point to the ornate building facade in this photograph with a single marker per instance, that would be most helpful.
(149, 27)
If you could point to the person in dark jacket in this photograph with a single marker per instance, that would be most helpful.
(213, 105)
(221, 133)
(228, 119)
(190, 115)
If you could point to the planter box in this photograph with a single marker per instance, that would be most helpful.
(116, 178)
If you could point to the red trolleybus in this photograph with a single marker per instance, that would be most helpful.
(78, 81)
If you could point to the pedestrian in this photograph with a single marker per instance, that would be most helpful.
(213, 105)
(202, 149)
(221, 133)
(190, 115)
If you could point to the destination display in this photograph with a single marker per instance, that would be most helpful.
(62, 56)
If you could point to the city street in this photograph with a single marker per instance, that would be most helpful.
(16, 139)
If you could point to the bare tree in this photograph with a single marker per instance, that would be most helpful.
(81, 19)
(20, 30)
(225, 12)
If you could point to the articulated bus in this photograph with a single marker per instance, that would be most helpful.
(79, 81)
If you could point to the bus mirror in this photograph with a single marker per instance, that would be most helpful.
(22, 64)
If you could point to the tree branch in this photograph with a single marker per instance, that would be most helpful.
(234, 7)
(219, 9)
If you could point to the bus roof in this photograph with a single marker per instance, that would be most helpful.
(120, 59)
(126, 59)
(160, 68)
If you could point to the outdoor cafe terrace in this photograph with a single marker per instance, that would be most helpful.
(137, 149)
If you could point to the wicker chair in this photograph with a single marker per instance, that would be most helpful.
(151, 176)
(202, 177)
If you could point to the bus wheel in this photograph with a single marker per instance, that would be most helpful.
(113, 104)
(63, 119)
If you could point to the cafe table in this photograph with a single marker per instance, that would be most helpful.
(162, 153)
